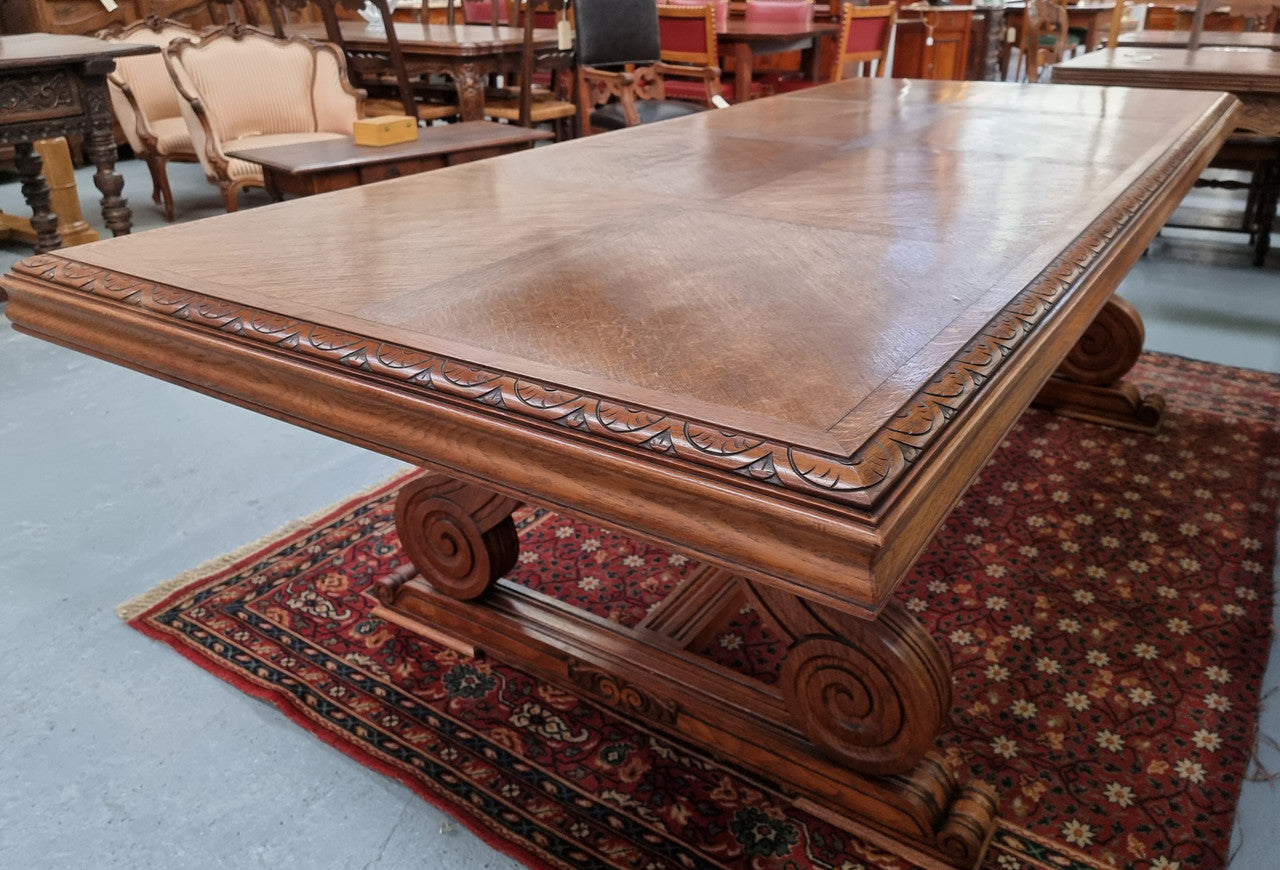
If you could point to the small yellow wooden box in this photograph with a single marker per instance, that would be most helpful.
(385, 130)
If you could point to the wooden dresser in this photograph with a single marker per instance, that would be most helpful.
(87, 17)
(932, 42)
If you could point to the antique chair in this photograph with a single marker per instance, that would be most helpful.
(779, 11)
(539, 96)
(392, 87)
(865, 35)
(620, 69)
(481, 11)
(220, 82)
(1046, 38)
(721, 9)
(795, 13)
(147, 105)
(687, 34)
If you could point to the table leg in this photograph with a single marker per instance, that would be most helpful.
(470, 82)
(1089, 383)
(811, 62)
(742, 63)
(847, 729)
(100, 148)
(36, 192)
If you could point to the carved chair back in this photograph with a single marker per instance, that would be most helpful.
(620, 67)
(688, 37)
(721, 9)
(1045, 35)
(796, 12)
(865, 34)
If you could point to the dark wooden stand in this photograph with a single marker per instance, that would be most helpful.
(57, 86)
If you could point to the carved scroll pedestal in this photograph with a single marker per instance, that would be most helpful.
(848, 730)
(1089, 384)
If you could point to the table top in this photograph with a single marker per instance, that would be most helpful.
(1208, 39)
(464, 40)
(1083, 7)
(738, 30)
(28, 50)
(306, 157)
(784, 335)
(1256, 72)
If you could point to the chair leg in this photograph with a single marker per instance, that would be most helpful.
(158, 164)
(230, 195)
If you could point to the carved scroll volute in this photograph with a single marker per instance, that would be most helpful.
(460, 537)
(1108, 348)
(872, 694)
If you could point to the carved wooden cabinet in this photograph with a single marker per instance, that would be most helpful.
(933, 42)
(87, 17)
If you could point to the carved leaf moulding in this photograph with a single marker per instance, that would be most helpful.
(858, 480)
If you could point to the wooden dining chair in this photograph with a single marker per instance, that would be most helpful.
(393, 88)
(865, 35)
(481, 11)
(687, 35)
(1046, 37)
(146, 103)
(779, 11)
(721, 8)
(621, 74)
(539, 99)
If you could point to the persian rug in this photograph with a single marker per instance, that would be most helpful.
(1105, 599)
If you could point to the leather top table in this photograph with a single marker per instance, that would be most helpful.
(1253, 76)
(56, 85)
(783, 337)
(1218, 39)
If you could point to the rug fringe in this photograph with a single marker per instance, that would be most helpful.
(130, 610)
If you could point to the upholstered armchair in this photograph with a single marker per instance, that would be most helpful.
(147, 105)
(242, 87)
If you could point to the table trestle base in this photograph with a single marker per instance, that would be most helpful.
(1089, 385)
(847, 731)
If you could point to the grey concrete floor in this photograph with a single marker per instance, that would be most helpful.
(115, 752)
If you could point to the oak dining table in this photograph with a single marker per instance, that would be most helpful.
(782, 338)
(467, 53)
(1252, 76)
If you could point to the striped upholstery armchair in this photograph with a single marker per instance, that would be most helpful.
(242, 87)
(146, 104)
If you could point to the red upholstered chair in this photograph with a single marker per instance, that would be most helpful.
(779, 11)
(865, 34)
(481, 11)
(721, 7)
(688, 37)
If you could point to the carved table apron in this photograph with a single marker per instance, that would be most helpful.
(782, 337)
(56, 85)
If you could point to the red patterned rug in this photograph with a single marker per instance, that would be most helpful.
(1105, 599)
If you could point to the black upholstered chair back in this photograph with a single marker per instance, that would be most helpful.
(613, 32)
